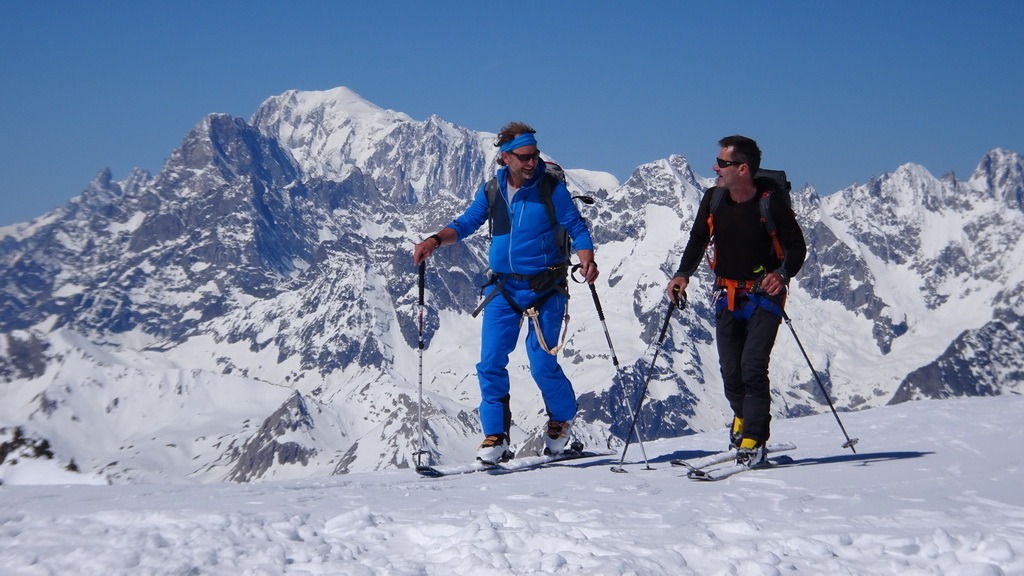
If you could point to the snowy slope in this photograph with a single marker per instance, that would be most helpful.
(933, 489)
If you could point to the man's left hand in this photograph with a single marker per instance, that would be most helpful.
(772, 284)
(588, 269)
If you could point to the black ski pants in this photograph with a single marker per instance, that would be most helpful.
(744, 347)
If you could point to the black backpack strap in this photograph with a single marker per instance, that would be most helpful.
(774, 181)
(547, 188)
(764, 203)
(717, 194)
(492, 192)
(778, 186)
(552, 177)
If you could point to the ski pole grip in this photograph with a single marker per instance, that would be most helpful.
(680, 298)
(572, 274)
(423, 273)
(597, 302)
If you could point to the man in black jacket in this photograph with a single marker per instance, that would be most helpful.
(752, 269)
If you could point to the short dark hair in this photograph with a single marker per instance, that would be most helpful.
(744, 150)
(509, 132)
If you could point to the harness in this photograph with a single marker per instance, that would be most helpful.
(730, 289)
(548, 283)
(727, 291)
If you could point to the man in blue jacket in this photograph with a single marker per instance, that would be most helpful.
(529, 278)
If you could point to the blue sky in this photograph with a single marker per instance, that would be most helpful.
(835, 92)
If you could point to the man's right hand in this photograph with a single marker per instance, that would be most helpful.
(676, 286)
(424, 250)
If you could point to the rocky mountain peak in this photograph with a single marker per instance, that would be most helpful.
(1002, 173)
(266, 271)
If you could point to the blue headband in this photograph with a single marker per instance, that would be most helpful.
(526, 139)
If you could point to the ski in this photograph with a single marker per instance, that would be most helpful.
(531, 462)
(513, 465)
(438, 471)
(695, 464)
(723, 472)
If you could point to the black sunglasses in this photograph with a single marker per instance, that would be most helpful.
(727, 163)
(526, 157)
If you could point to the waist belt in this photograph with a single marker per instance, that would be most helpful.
(546, 288)
(519, 277)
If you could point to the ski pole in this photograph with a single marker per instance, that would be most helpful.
(418, 455)
(618, 371)
(680, 303)
(849, 442)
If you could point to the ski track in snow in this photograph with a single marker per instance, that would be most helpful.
(932, 490)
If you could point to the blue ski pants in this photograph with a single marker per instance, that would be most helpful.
(500, 334)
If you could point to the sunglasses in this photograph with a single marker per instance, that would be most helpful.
(526, 157)
(727, 163)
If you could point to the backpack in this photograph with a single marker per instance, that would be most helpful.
(777, 184)
(553, 175)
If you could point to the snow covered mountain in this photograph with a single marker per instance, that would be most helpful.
(251, 312)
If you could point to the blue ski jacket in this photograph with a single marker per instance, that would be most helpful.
(525, 242)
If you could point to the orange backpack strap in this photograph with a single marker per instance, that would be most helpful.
(717, 194)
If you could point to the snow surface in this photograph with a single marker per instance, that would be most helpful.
(933, 489)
